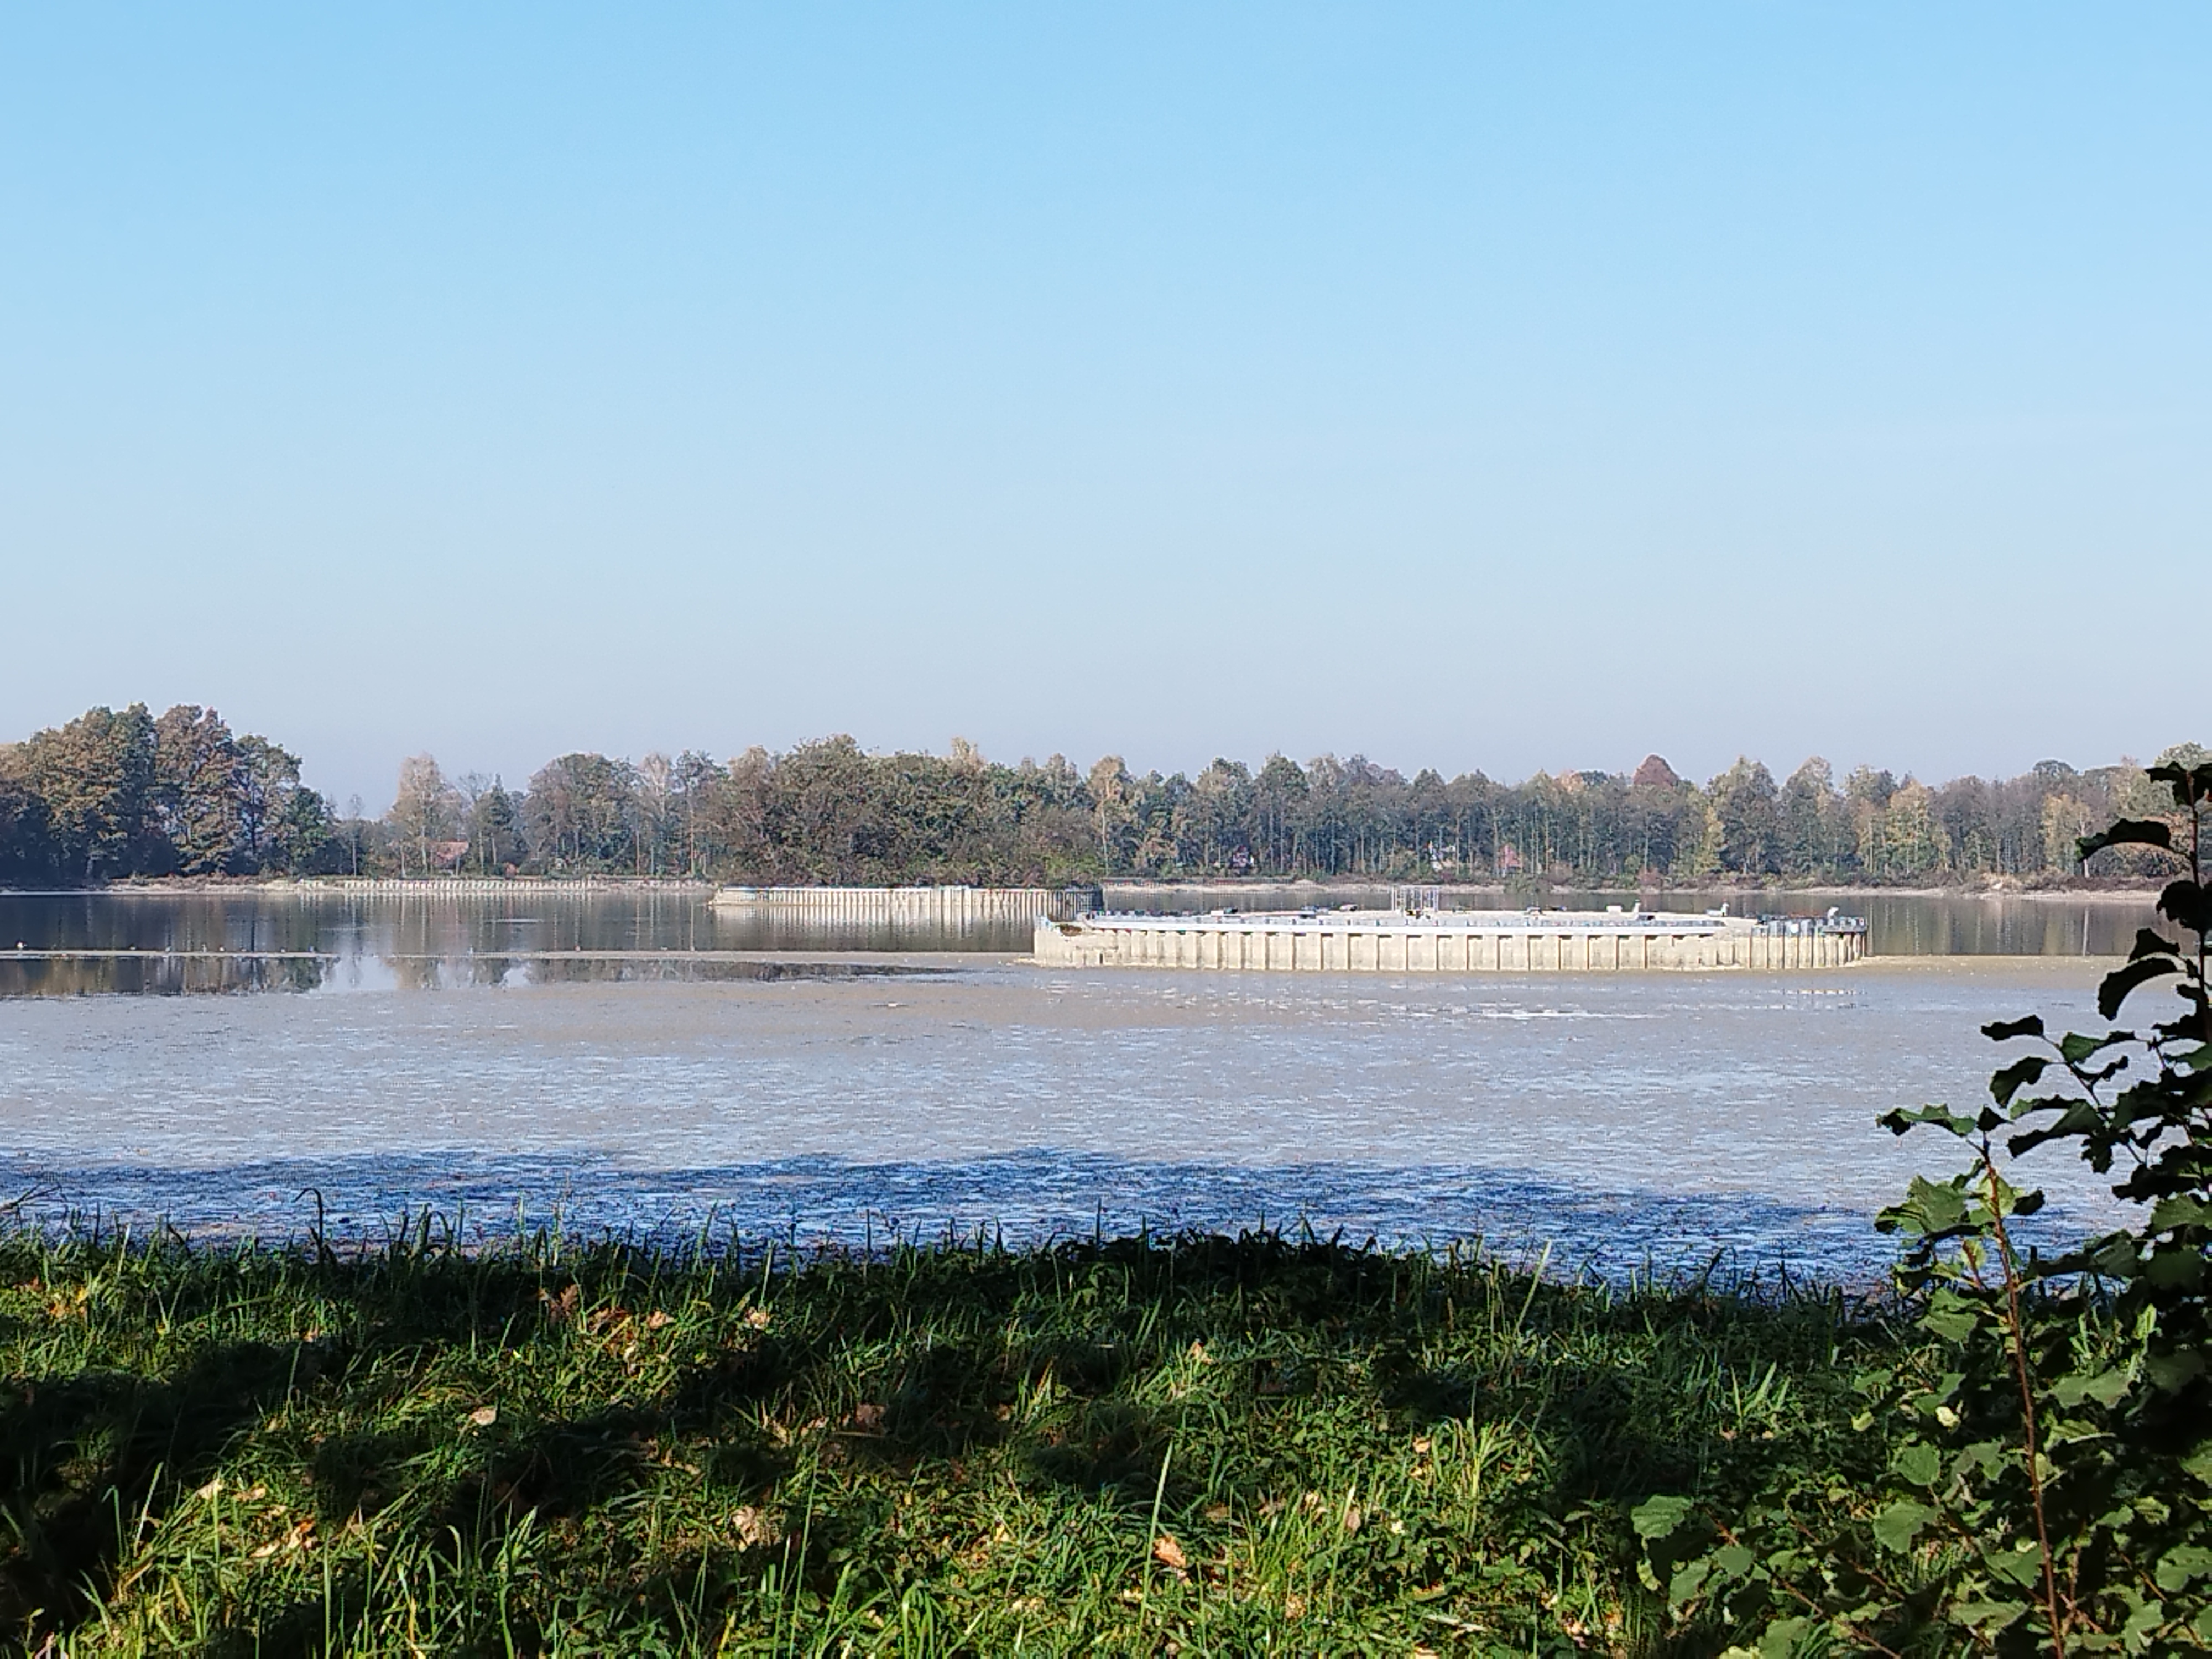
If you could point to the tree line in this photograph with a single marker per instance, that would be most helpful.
(113, 795)
(118, 796)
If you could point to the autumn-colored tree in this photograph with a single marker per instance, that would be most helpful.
(95, 776)
(423, 812)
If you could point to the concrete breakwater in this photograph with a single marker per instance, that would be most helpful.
(1456, 942)
(952, 908)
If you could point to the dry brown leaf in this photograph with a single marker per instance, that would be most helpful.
(562, 1308)
(655, 1320)
(755, 1526)
(482, 1417)
(1169, 1554)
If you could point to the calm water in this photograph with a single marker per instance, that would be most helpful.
(379, 941)
(1610, 1120)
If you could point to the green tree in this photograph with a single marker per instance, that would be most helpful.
(580, 811)
(1216, 814)
(1810, 819)
(1747, 805)
(494, 830)
(281, 823)
(29, 856)
(1913, 842)
(1112, 812)
(95, 776)
(302, 837)
(1278, 805)
(196, 790)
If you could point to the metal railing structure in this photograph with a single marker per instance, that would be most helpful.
(1532, 922)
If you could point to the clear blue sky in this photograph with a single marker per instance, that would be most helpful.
(1499, 386)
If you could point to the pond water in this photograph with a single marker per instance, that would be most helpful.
(330, 939)
(1612, 1120)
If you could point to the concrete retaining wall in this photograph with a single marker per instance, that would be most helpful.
(943, 907)
(1510, 945)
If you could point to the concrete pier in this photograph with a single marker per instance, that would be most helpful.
(953, 908)
(1453, 942)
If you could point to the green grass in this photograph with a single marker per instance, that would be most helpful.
(1197, 1445)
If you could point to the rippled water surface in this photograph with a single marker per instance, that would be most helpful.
(1609, 1118)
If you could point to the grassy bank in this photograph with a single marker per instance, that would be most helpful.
(1208, 1446)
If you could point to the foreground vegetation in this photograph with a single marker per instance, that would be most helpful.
(1195, 1444)
(1214, 1445)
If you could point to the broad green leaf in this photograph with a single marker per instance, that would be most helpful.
(1932, 1206)
(2076, 1048)
(2190, 784)
(2022, 1564)
(1951, 1316)
(2151, 942)
(1986, 1456)
(1951, 1326)
(1689, 1578)
(1781, 1638)
(2011, 1080)
(2127, 832)
(2106, 1388)
(2002, 1030)
(1658, 1517)
(2169, 1371)
(1920, 1463)
(2141, 1625)
(2121, 982)
(1896, 1527)
(2188, 903)
(1988, 1615)
(2182, 1564)
(2179, 1211)
(2171, 1269)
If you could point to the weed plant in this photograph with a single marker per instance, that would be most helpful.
(1194, 1444)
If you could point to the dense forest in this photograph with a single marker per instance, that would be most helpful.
(125, 795)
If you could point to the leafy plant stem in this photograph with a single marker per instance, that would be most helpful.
(2016, 1329)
